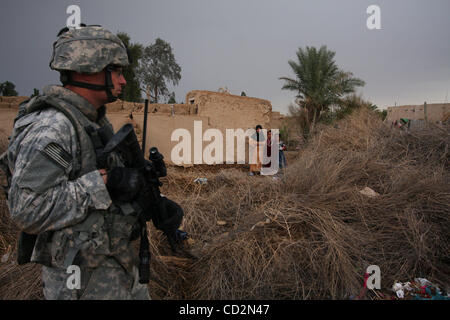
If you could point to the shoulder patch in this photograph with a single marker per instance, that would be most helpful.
(58, 155)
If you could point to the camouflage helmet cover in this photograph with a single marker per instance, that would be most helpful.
(88, 50)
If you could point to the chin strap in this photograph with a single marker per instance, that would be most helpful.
(67, 79)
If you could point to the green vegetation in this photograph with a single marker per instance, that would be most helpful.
(319, 84)
(132, 92)
(7, 89)
(157, 68)
(35, 93)
(172, 98)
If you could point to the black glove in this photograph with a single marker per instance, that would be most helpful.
(124, 184)
(168, 217)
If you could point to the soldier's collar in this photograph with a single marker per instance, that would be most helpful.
(101, 112)
(76, 100)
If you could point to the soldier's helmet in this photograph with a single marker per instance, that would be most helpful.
(89, 49)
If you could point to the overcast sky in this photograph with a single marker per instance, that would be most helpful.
(246, 44)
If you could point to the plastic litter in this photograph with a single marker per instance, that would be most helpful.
(419, 289)
(422, 282)
(407, 286)
(260, 224)
(5, 258)
(201, 180)
(398, 289)
(369, 192)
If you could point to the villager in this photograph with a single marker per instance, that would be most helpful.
(268, 149)
(282, 158)
(256, 142)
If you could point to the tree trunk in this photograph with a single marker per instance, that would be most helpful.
(156, 94)
(147, 93)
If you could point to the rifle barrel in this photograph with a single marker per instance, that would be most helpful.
(144, 134)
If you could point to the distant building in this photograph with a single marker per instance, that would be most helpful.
(228, 111)
(219, 110)
(431, 112)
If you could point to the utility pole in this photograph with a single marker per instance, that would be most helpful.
(425, 111)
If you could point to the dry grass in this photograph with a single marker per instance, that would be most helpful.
(16, 282)
(320, 234)
(323, 233)
(7, 230)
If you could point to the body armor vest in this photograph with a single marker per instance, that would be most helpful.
(103, 238)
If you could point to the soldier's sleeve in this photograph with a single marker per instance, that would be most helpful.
(42, 198)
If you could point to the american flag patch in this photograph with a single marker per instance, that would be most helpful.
(58, 155)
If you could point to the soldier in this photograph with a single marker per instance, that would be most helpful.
(57, 191)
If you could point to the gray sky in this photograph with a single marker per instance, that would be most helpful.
(246, 44)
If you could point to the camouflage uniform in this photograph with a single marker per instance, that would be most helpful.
(58, 193)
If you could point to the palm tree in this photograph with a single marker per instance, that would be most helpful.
(319, 82)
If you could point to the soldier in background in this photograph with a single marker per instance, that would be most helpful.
(59, 192)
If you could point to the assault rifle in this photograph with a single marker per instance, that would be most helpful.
(165, 213)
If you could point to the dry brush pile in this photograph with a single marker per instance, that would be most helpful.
(313, 234)
(310, 235)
